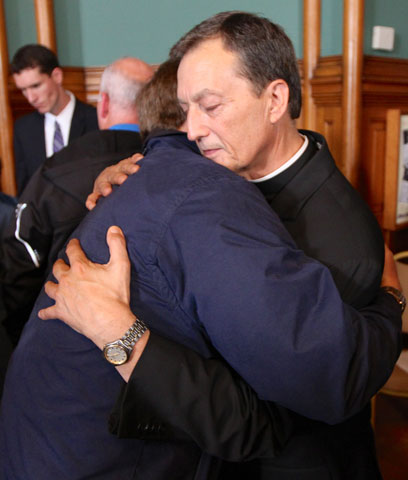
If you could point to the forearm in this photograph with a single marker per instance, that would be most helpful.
(187, 397)
(375, 355)
(114, 330)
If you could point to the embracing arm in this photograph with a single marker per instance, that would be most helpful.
(187, 397)
(112, 175)
(184, 395)
(171, 384)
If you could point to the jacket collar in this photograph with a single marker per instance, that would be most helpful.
(291, 199)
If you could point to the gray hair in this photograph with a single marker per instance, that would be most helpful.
(121, 88)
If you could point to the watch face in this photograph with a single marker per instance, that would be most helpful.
(116, 354)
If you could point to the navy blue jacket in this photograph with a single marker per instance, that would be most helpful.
(212, 268)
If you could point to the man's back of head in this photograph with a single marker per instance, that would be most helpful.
(158, 105)
(121, 82)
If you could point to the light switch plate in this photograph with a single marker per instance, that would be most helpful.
(383, 38)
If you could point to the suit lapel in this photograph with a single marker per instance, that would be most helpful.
(38, 136)
(78, 123)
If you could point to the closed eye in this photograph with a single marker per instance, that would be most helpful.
(211, 108)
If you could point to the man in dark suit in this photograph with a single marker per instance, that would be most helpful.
(53, 202)
(59, 116)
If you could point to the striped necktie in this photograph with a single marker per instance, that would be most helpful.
(58, 142)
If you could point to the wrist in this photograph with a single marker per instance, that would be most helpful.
(127, 368)
(114, 329)
(118, 352)
(397, 294)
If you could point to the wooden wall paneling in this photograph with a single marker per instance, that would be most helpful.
(7, 175)
(92, 81)
(371, 168)
(328, 123)
(327, 97)
(74, 80)
(44, 17)
(385, 86)
(392, 152)
(385, 82)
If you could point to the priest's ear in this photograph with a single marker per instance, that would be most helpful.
(278, 98)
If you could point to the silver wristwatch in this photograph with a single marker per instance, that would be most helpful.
(118, 352)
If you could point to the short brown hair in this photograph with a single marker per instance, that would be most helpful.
(32, 56)
(157, 101)
(265, 51)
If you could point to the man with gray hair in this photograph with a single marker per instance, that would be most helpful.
(53, 203)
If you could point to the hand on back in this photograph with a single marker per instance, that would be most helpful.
(113, 175)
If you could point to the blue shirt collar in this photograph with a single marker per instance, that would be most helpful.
(133, 127)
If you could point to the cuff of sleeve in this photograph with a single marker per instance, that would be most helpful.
(136, 415)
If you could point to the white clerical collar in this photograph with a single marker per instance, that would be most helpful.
(287, 164)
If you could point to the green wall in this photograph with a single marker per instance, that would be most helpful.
(391, 13)
(20, 21)
(107, 29)
(95, 32)
(331, 27)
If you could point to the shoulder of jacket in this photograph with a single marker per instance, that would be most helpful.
(80, 105)
(27, 119)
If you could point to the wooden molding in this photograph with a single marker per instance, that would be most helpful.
(92, 81)
(353, 29)
(327, 83)
(311, 54)
(391, 180)
(372, 160)
(384, 69)
(44, 18)
(7, 178)
(385, 81)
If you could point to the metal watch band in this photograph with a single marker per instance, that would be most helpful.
(398, 295)
(130, 338)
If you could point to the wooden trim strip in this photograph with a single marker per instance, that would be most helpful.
(353, 25)
(8, 183)
(44, 19)
(311, 54)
